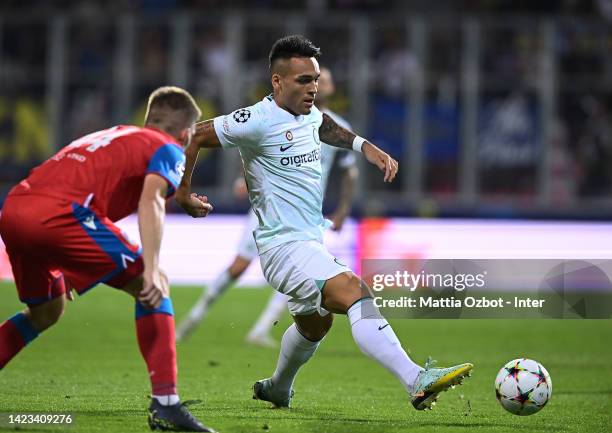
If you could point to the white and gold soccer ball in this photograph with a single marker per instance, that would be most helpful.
(523, 386)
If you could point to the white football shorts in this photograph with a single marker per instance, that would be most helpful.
(299, 269)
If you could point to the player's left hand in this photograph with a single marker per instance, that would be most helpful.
(154, 288)
(380, 159)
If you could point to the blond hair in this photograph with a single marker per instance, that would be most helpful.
(171, 109)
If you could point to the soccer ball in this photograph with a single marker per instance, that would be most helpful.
(523, 386)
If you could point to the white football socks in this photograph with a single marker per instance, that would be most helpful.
(295, 351)
(275, 308)
(200, 309)
(218, 287)
(375, 337)
(167, 400)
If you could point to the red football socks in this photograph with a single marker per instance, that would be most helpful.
(155, 332)
(15, 334)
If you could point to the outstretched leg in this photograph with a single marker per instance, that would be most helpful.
(373, 334)
(316, 281)
(346, 293)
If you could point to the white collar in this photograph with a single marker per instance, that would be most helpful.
(282, 111)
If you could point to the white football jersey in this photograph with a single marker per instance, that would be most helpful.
(281, 154)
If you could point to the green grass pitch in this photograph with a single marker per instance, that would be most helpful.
(89, 365)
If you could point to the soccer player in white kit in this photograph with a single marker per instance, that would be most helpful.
(247, 249)
(279, 140)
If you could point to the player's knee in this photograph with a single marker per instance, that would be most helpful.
(316, 330)
(354, 291)
(238, 267)
(51, 317)
(344, 292)
(235, 273)
(326, 324)
(46, 315)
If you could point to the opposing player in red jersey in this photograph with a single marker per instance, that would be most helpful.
(59, 232)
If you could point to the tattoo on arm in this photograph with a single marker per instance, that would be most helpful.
(205, 135)
(335, 135)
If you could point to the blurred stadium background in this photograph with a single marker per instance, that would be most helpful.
(496, 109)
(499, 111)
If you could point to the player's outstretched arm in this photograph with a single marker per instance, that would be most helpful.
(151, 214)
(335, 135)
(205, 137)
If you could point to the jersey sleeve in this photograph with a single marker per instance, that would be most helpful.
(242, 127)
(168, 161)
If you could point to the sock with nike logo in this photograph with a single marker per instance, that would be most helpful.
(376, 338)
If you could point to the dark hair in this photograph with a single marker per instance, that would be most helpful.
(172, 107)
(293, 46)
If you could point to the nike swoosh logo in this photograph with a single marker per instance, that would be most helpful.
(380, 328)
(283, 148)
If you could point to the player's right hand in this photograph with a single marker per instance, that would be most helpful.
(381, 159)
(195, 205)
